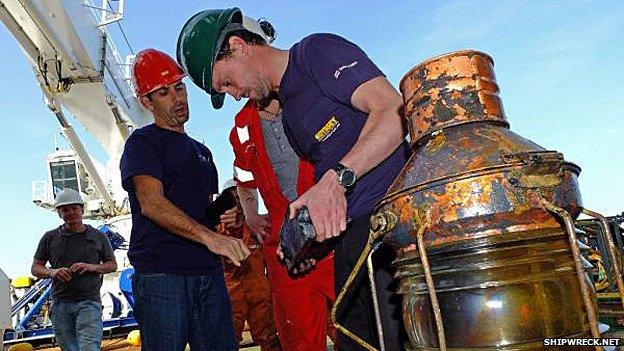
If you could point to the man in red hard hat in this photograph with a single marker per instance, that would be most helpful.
(170, 179)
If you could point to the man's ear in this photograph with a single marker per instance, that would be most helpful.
(147, 103)
(237, 43)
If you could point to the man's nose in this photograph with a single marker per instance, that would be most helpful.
(176, 96)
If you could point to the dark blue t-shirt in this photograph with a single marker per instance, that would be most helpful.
(319, 120)
(189, 178)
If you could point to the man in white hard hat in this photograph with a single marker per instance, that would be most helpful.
(78, 255)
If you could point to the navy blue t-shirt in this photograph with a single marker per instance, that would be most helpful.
(189, 178)
(319, 120)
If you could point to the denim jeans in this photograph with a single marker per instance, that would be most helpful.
(77, 325)
(173, 310)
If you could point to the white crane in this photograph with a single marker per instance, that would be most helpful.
(81, 73)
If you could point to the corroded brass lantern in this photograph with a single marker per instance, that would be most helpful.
(482, 220)
(479, 216)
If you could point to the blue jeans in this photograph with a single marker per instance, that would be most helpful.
(173, 310)
(77, 325)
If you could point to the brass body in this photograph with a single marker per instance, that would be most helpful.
(501, 263)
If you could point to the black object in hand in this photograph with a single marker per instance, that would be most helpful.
(298, 240)
(222, 203)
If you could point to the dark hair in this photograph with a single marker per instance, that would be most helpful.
(248, 36)
(267, 28)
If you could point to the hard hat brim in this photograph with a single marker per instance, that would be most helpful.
(217, 99)
(66, 197)
(197, 49)
(164, 84)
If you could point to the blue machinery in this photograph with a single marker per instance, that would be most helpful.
(44, 285)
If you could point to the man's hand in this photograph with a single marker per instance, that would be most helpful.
(259, 225)
(327, 204)
(61, 274)
(231, 218)
(223, 245)
(303, 267)
(81, 268)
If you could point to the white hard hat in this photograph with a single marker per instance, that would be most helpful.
(255, 26)
(66, 197)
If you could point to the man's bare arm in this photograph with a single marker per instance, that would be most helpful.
(383, 131)
(249, 203)
(102, 268)
(248, 199)
(39, 270)
(155, 206)
(106, 267)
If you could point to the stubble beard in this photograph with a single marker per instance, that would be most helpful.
(261, 90)
(174, 119)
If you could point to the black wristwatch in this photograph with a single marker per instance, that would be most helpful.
(346, 176)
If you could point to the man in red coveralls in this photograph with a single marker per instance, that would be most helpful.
(265, 161)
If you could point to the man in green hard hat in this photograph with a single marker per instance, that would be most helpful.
(340, 112)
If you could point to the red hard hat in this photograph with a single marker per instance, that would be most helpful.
(153, 70)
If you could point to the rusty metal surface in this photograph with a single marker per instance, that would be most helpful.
(480, 180)
(502, 268)
(451, 89)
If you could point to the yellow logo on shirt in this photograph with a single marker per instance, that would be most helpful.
(328, 129)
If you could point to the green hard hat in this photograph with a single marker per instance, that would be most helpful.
(199, 43)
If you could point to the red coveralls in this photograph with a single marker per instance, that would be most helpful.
(300, 305)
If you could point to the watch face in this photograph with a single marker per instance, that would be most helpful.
(347, 178)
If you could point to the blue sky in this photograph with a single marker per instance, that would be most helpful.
(558, 65)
